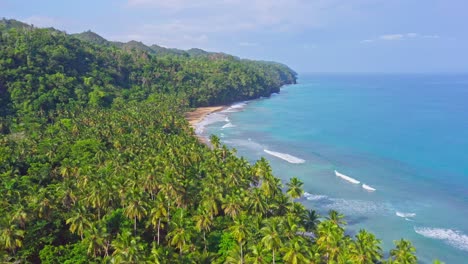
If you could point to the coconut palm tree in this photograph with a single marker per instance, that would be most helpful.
(295, 188)
(294, 251)
(329, 235)
(157, 213)
(79, 221)
(11, 237)
(232, 205)
(127, 248)
(240, 231)
(310, 220)
(336, 217)
(135, 209)
(403, 253)
(271, 238)
(203, 223)
(366, 248)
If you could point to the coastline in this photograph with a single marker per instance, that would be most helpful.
(196, 116)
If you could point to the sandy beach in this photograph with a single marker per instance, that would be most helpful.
(199, 114)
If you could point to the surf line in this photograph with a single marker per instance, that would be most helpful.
(346, 178)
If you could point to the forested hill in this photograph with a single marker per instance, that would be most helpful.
(98, 164)
(43, 69)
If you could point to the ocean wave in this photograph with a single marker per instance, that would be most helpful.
(208, 120)
(452, 237)
(358, 207)
(228, 125)
(284, 156)
(235, 107)
(405, 215)
(368, 188)
(346, 178)
(314, 197)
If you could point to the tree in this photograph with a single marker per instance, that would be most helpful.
(310, 220)
(240, 232)
(135, 209)
(79, 221)
(295, 188)
(127, 248)
(366, 248)
(294, 251)
(403, 253)
(157, 214)
(11, 237)
(271, 235)
(203, 223)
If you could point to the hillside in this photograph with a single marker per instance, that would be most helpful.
(98, 164)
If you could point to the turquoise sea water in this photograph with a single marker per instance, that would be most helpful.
(404, 135)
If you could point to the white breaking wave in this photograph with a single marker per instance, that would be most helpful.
(368, 188)
(405, 215)
(235, 107)
(284, 156)
(452, 237)
(358, 207)
(208, 120)
(346, 178)
(314, 197)
(228, 125)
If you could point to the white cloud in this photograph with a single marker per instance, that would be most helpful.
(248, 44)
(392, 37)
(431, 36)
(400, 36)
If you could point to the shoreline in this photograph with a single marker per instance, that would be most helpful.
(199, 114)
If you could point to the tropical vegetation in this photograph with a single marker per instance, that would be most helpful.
(98, 164)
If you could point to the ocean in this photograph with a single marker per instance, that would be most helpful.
(404, 135)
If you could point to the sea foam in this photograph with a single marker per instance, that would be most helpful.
(228, 125)
(452, 237)
(346, 178)
(235, 107)
(368, 188)
(405, 215)
(208, 120)
(284, 156)
(314, 197)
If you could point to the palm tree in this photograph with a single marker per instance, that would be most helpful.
(257, 202)
(310, 220)
(366, 248)
(294, 251)
(96, 237)
(404, 252)
(215, 141)
(79, 221)
(203, 223)
(295, 188)
(180, 234)
(157, 214)
(271, 235)
(127, 248)
(11, 237)
(256, 255)
(336, 217)
(240, 231)
(329, 236)
(135, 209)
(231, 205)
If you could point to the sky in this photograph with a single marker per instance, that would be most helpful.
(392, 36)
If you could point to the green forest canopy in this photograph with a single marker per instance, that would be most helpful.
(97, 163)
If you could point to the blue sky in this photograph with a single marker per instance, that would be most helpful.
(308, 35)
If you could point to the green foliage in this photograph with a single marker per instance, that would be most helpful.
(97, 163)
